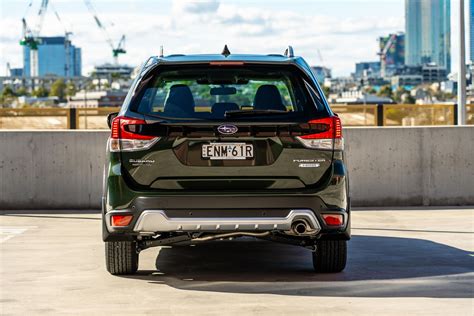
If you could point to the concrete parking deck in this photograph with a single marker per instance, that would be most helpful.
(400, 262)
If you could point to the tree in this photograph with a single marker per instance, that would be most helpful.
(116, 76)
(22, 91)
(105, 86)
(326, 91)
(8, 92)
(7, 97)
(443, 96)
(370, 90)
(90, 86)
(40, 92)
(385, 91)
(58, 89)
(71, 89)
(409, 99)
(399, 93)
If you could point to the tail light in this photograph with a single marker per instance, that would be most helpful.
(121, 220)
(124, 136)
(330, 138)
(333, 219)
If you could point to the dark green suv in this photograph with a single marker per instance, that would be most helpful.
(209, 147)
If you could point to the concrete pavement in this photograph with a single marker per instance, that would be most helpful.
(400, 261)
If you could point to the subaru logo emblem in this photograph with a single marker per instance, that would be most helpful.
(227, 129)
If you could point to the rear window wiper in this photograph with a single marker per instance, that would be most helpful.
(241, 113)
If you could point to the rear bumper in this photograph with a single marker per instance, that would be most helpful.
(151, 221)
(198, 208)
(218, 213)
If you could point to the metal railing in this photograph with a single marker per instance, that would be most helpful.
(400, 114)
(55, 118)
(92, 118)
(351, 115)
(35, 118)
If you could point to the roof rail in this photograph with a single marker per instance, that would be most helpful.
(289, 52)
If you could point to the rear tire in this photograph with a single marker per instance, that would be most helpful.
(330, 256)
(121, 257)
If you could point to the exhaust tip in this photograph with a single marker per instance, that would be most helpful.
(299, 227)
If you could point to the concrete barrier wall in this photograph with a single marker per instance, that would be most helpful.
(51, 169)
(411, 166)
(388, 167)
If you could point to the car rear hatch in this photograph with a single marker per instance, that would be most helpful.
(236, 153)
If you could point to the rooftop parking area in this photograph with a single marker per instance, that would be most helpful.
(400, 261)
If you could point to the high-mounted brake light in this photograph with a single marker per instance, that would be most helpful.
(226, 63)
(125, 137)
(330, 136)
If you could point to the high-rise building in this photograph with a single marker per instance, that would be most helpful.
(471, 30)
(321, 73)
(16, 72)
(413, 32)
(367, 69)
(392, 52)
(54, 56)
(428, 32)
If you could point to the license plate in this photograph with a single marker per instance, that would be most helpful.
(223, 151)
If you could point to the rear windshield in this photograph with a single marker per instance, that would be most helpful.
(227, 93)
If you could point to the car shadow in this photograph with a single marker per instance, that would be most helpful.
(377, 267)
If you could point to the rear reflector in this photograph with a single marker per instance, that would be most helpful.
(333, 219)
(121, 220)
(329, 138)
(125, 137)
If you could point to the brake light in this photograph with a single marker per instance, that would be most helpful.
(330, 138)
(226, 63)
(121, 220)
(125, 137)
(333, 219)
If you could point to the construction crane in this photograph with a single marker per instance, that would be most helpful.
(116, 49)
(320, 56)
(30, 37)
(383, 54)
(67, 42)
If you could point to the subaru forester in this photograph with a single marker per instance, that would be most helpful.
(219, 146)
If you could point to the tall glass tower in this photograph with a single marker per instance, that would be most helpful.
(471, 31)
(56, 56)
(428, 32)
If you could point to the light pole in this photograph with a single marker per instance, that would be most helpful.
(462, 68)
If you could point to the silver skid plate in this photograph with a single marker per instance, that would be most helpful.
(152, 221)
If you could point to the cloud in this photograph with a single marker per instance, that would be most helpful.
(245, 22)
(196, 6)
(236, 18)
(205, 26)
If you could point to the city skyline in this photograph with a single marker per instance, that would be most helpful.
(346, 31)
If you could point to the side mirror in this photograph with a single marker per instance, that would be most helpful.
(110, 118)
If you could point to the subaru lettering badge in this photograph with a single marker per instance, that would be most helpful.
(227, 129)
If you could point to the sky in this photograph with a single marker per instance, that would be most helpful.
(332, 33)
